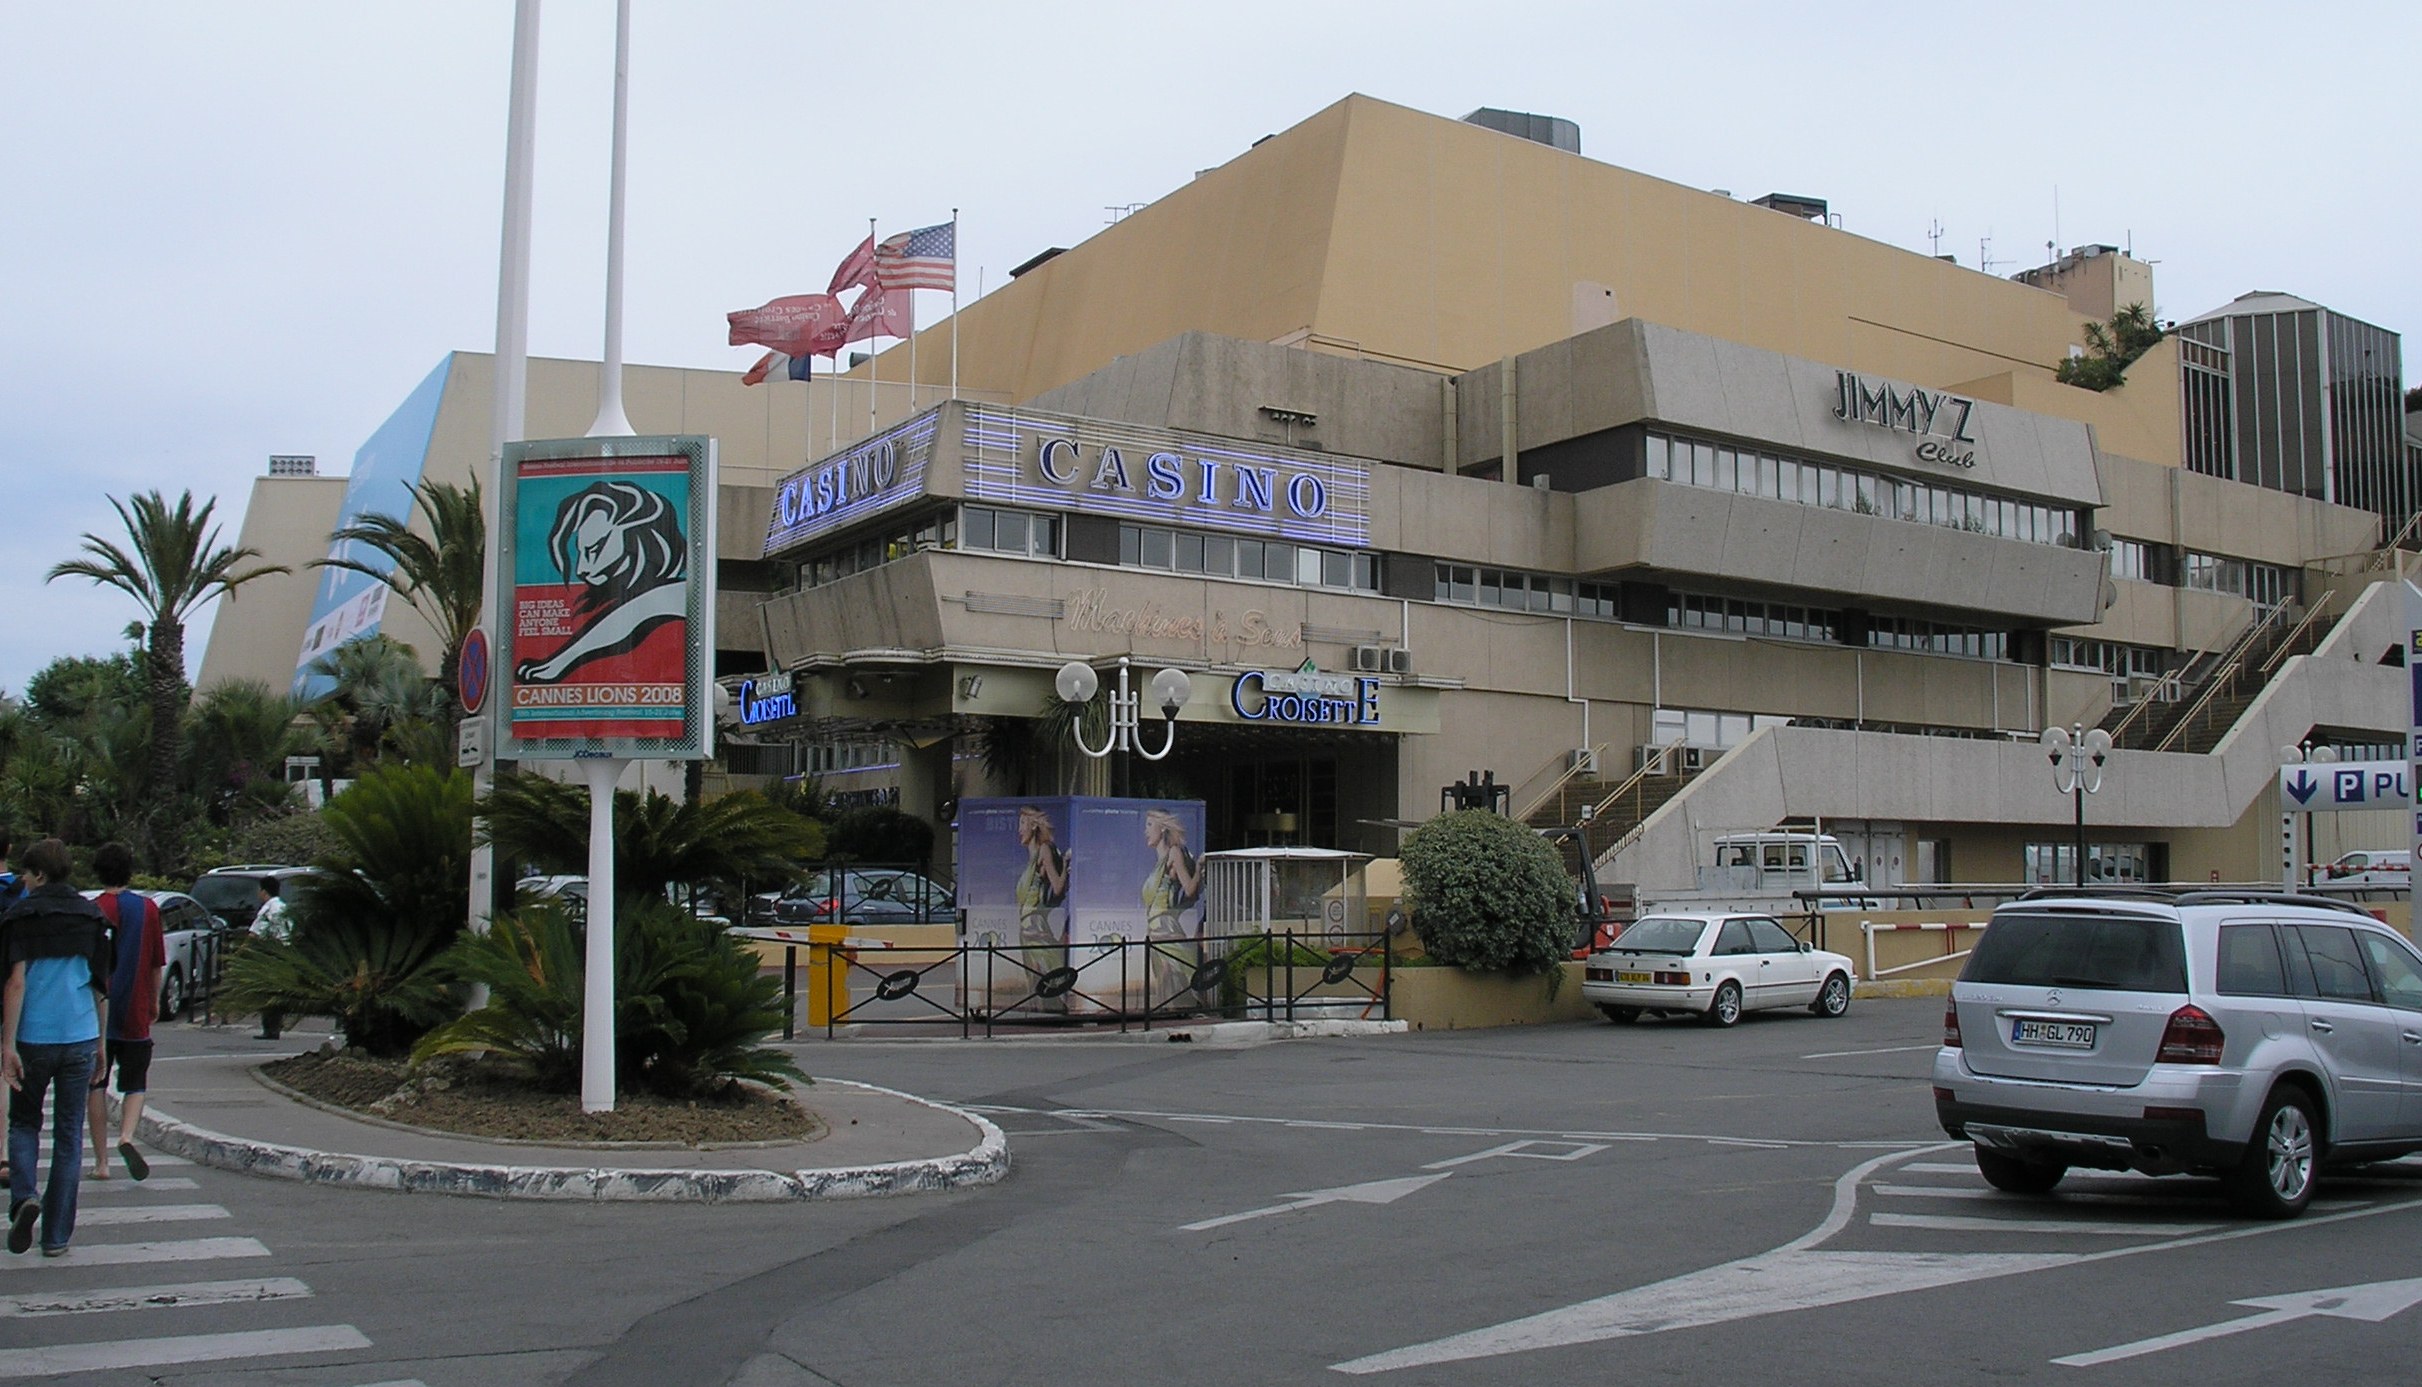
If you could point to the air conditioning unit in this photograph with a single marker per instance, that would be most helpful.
(1697, 758)
(1400, 661)
(2149, 688)
(1370, 659)
(1582, 760)
(1651, 755)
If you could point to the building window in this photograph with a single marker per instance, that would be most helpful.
(937, 531)
(1691, 611)
(1263, 561)
(1515, 591)
(2132, 558)
(1707, 727)
(2265, 585)
(1936, 638)
(1808, 483)
(2055, 864)
(991, 530)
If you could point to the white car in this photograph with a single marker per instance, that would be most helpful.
(1714, 966)
(197, 942)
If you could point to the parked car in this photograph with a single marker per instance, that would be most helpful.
(1714, 966)
(2255, 1037)
(2371, 867)
(573, 891)
(874, 896)
(233, 893)
(197, 943)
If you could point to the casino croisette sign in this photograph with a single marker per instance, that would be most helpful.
(1305, 698)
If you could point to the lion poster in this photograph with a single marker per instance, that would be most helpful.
(601, 605)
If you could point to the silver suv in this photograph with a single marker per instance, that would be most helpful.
(2252, 1037)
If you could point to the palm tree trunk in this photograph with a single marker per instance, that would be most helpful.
(167, 660)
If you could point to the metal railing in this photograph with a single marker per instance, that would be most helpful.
(2213, 664)
(1525, 806)
(1135, 983)
(2227, 676)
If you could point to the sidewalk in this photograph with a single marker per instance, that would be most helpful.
(207, 1105)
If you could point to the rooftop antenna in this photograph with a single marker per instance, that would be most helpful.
(1934, 236)
(1984, 253)
(2055, 241)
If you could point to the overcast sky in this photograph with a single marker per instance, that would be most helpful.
(235, 229)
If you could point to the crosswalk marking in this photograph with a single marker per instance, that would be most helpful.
(182, 1348)
(1953, 1224)
(87, 1189)
(124, 1254)
(154, 1213)
(189, 1293)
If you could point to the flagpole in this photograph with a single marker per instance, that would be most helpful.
(912, 351)
(873, 357)
(954, 303)
(506, 422)
(611, 421)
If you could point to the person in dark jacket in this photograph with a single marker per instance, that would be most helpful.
(54, 1008)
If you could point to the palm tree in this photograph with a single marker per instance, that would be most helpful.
(379, 694)
(440, 575)
(173, 563)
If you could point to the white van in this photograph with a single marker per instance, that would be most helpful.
(1780, 861)
(2370, 867)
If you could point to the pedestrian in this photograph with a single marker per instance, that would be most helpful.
(10, 888)
(140, 951)
(52, 1010)
(270, 921)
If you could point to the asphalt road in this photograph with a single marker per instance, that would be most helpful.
(1582, 1203)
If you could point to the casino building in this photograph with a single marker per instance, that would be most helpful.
(1425, 449)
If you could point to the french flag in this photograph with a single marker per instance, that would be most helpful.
(774, 364)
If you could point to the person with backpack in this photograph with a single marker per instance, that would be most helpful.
(140, 951)
(53, 1008)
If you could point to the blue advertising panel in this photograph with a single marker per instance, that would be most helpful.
(1110, 887)
(878, 475)
(349, 605)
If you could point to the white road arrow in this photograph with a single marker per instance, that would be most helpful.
(2373, 1301)
(1374, 1192)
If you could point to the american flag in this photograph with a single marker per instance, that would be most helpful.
(926, 258)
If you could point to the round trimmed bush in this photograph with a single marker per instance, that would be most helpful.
(1487, 893)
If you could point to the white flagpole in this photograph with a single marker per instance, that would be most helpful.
(912, 351)
(507, 420)
(873, 357)
(954, 303)
(611, 423)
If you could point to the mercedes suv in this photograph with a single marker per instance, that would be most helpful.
(2253, 1037)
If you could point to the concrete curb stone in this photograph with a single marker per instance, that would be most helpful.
(987, 1162)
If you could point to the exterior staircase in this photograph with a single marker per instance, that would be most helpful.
(1616, 806)
(2214, 690)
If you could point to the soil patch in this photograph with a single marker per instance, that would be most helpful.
(486, 1099)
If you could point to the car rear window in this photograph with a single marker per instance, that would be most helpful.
(2114, 953)
(1662, 935)
(227, 893)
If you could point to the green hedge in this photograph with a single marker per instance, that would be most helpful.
(1487, 893)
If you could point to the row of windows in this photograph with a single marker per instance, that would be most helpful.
(1708, 727)
(2115, 658)
(2055, 864)
(829, 758)
(2266, 585)
(1228, 556)
(1723, 467)
(1936, 637)
(2133, 558)
(1522, 592)
(1692, 611)
(1009, 532)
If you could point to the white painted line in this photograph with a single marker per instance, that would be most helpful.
(138, 1188)
(2372, 1303)
(1372, 1192)
(128, 1254)
(1214, 1121)
(398, 1382)
(1745, 1141)
(1948, 1223)
(1330, 1126)
(1938, 1168)
(154, 1213)
(1518, 1150)
(1887, 1050)
(2178, 1340)
(182, 1348)
(152, 1297)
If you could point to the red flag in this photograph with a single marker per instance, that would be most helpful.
(798, 325)
(880, 314)
(857, 268)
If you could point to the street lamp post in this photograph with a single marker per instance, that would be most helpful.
(2077, 755)
(1077, 683)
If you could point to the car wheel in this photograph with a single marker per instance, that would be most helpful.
(1833, 998)
(1725, 1010)
(2274, 1179)
(2012, 1175)
(1621, 1016)
(172, 995)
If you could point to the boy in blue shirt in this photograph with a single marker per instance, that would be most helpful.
(53, 1008)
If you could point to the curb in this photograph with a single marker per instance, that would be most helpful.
(1218, 1033)
(985, 1163)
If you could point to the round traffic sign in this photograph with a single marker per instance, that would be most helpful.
(471, 671)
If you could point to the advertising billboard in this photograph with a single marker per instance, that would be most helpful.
(605, 638)
(1111, 888)
(347, 605)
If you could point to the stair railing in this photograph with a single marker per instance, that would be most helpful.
(2223, 678)
(1572, 767)
(2296, 636)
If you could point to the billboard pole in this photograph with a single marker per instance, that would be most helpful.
(507, 416)
(597, 989)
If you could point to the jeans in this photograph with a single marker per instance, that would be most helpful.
(66, 1072)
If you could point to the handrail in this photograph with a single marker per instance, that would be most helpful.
(2224, 676)
(1664, 754)
(2386, 553)
(1523, 811)
(2311, 614)
(2219, 664)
